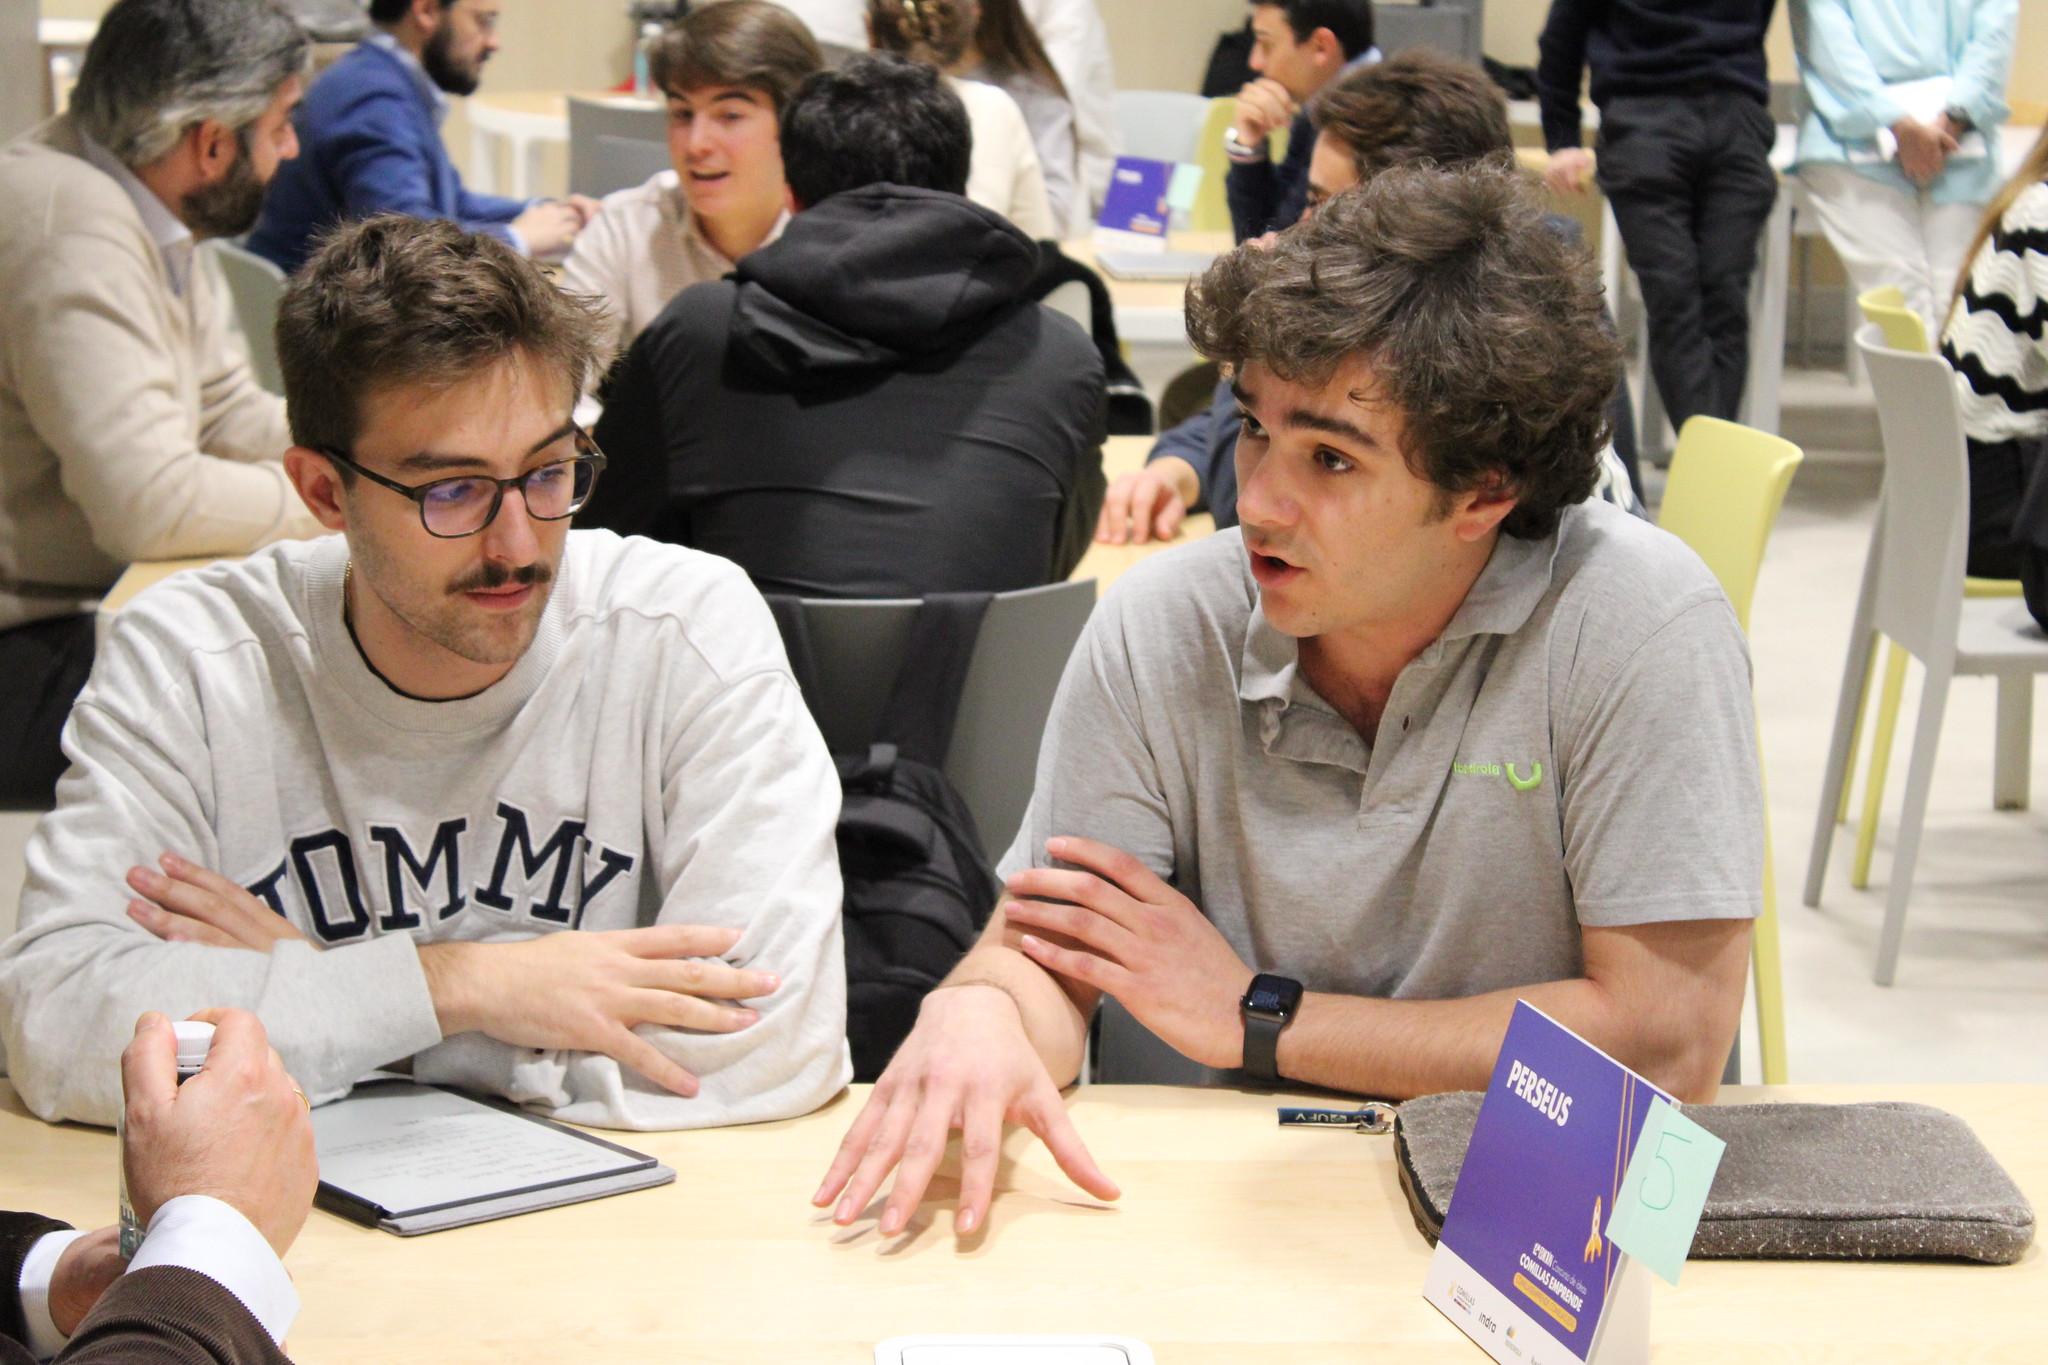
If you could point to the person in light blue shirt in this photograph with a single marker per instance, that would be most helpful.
(1899, 152)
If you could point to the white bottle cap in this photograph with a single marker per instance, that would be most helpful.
(195, 1040)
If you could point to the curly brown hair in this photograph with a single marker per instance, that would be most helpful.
(1413, 106)
(1479, 320)
(398, 300)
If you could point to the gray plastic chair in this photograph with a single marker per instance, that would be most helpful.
(614, 145)
(1018, 658)
(1913, 594)
(1160, 125)
(254, 287)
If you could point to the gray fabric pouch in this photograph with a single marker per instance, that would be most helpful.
(1799, 1181)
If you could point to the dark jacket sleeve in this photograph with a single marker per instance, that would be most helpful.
(18, 1233)
(1266, 198)
(1561, 62)
(1086, 425)
(1208, 442)
(168, 1315)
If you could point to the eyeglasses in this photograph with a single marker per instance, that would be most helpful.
(465, 505)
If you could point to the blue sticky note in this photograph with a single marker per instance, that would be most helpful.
(1665, 1190)
(1185, 185)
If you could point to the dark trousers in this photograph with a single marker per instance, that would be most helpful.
(1998, 479)
(1690, 181)
(45, 665)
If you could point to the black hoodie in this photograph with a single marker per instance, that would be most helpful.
(871, 406)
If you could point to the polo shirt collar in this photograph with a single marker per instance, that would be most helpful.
(174, 241)
(1516, 579)
(436, 97)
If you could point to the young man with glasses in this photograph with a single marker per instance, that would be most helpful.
(541, 811)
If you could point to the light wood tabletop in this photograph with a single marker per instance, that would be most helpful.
(1235, 1241)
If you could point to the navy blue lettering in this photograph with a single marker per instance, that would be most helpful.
(560, 849)
(333, 841)
(400, 862)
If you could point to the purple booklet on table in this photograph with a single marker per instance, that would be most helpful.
(1524, 1266)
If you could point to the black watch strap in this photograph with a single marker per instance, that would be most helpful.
(1262, 1046)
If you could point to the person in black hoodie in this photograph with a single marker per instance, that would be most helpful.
(871, 406)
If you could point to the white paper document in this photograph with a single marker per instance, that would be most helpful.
(396, 1152)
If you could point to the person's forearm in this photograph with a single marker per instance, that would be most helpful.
(1055, 1013)
(1403, 1048)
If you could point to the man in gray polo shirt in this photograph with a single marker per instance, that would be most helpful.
(1429, 734)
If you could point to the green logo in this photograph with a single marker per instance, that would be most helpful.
(1510, 771)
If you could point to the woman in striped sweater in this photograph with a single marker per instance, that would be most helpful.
(1996, 341)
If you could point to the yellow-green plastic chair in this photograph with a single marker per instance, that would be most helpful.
(1212, 210)
(1903, 330)
(1726, 485)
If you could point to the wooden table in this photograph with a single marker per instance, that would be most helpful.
(1235, 1241)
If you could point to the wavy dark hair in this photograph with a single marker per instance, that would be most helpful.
(1478, 319)
(1414, 106)
(750, 44)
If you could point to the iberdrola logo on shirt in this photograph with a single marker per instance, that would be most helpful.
(1517, 778)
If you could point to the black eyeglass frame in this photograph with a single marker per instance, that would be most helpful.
(587, 453)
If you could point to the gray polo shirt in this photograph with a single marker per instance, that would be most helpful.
(1577, 748)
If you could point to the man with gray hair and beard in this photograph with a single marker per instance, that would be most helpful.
(131, 426)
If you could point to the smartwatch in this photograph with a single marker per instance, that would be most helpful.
(1238, 152)
(1268, 1006)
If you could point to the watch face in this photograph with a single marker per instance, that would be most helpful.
(1275, 995)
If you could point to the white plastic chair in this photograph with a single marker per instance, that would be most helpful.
(1913, 594)
(1161, 125)
(254, 287)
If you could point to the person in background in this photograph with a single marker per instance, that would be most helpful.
(726, 70)
(1298, 47)
(1005, 52)
(1004, 173)
(538, 809)
(371, 135)
(221, 1173)
(1078, 44)
(1994, 340)
(1415, 106)
(1899, 150)
(1321, 799)
(872, 405)
(1684, 160)
(131, 426)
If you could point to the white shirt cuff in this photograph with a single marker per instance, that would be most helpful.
(38, 1268)
(202, 1233)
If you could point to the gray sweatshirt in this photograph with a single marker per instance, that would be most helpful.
(649, 760)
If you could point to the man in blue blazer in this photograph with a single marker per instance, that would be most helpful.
(370, 139)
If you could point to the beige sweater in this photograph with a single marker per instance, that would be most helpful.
(130, 425)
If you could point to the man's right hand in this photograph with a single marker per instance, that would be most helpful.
(1570, 170)
(586, 990)
(1923, 149)
(967, 1065)
(1263, 107)
(1149, 503)
(549, 228)
(238, 1131)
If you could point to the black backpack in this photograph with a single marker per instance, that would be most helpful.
(918, 888)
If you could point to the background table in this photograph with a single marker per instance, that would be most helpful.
(1235, 1241)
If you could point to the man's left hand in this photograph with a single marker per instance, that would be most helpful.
(86, 1269)
(1139, 940)
(186, 903)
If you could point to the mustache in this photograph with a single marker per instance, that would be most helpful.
(493, 576)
